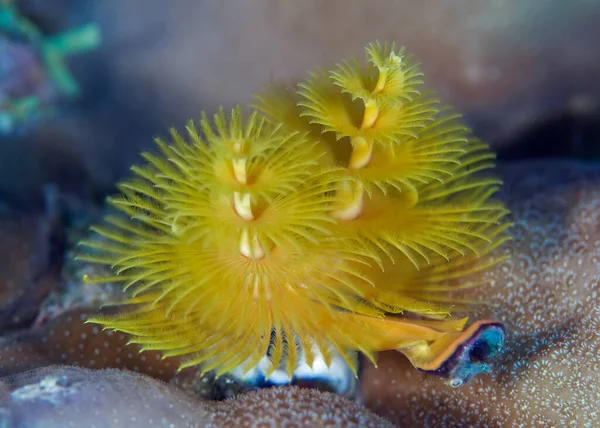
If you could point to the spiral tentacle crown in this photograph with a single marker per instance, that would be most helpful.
(336, 218)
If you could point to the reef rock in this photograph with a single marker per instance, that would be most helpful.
(548, 296)
(68, 396)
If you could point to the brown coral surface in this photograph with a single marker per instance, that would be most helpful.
(67, 340)
(68, 396)
(548, 296)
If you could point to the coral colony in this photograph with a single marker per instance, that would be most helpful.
(337, 219)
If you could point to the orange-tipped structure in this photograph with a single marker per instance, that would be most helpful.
(310, 228)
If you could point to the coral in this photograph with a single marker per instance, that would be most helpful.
(547, 294)
(294, 406)
(357, 200)
(67, 396)
(66, 339)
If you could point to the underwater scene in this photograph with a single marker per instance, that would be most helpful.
(318, 213)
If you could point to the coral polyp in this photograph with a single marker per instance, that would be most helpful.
(335, 219)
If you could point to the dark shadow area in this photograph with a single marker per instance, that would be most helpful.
(568, 135)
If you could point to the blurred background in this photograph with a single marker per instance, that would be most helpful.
(525, 73)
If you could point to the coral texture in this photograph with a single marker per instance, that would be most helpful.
(67, 396)
(66, 339)
(548, 295)
(358, 198)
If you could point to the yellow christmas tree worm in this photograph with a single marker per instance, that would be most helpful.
(338, 218)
